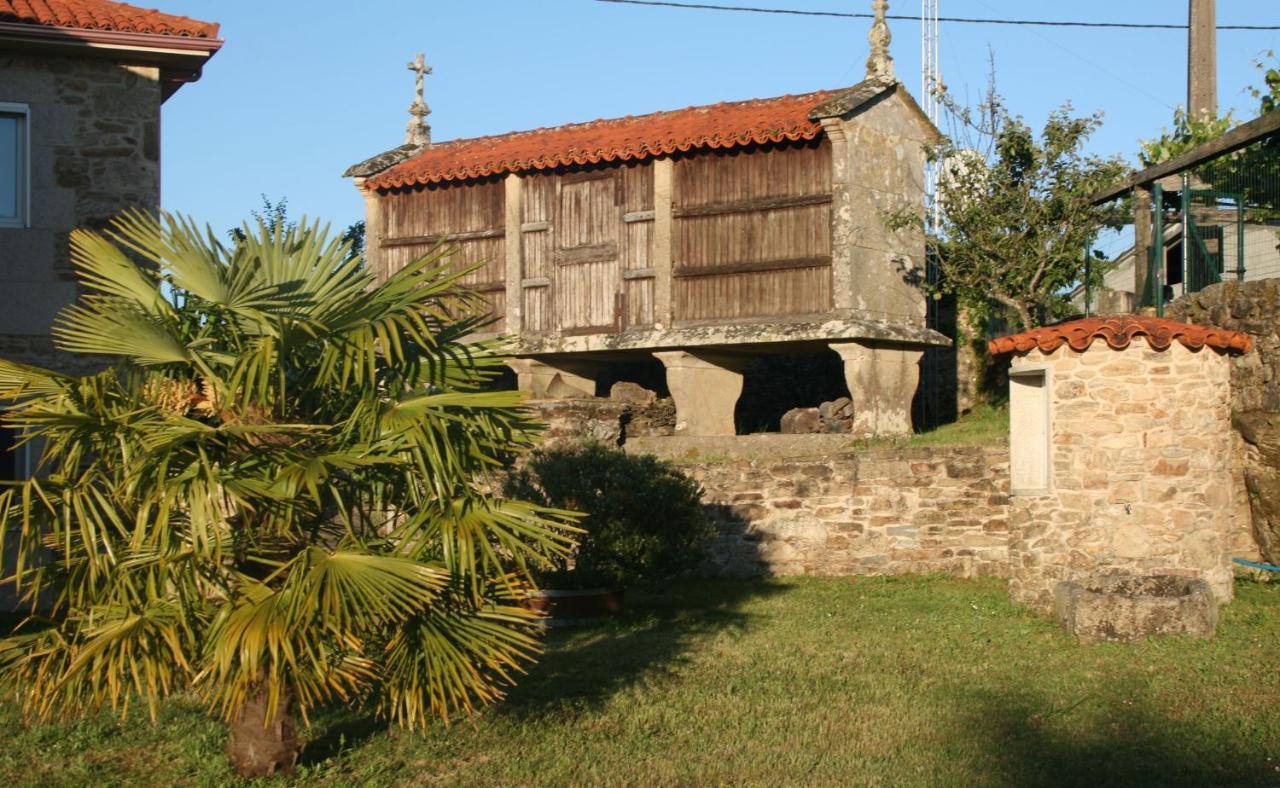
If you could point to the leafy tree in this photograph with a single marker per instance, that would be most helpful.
(1268, 95)
(277, 496)
(275, 215)
(1187, 133)
(1014, 208)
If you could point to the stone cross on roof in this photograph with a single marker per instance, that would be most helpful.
(879, 63)
(418, 131)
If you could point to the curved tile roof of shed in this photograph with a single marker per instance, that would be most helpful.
(1118, 331)
(104, 15)
(724, 125)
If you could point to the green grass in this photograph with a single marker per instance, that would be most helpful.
(985, 425)
(910, 681)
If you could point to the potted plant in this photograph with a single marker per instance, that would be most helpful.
(643, 523)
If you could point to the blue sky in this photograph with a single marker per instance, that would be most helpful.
(301, 90)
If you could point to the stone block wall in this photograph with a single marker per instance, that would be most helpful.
(95, 151)
(809, 504)
(1254, 308)
(1144, 477)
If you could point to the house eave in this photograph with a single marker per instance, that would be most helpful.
(179, 58)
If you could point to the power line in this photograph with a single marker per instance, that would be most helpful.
(958, 19)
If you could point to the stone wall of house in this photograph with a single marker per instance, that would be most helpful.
(95, 150)
(1144, 475)
(811, 504)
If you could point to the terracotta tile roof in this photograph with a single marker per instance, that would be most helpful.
(725, 125)
(103, 15)
(1119, 331)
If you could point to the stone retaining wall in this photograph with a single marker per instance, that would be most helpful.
(1254, 308)
(1251, 307)
(811, 504)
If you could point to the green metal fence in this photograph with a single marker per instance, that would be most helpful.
(1215, 221)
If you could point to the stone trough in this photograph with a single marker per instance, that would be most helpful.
(1122, 608)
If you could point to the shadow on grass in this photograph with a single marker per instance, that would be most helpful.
(1126, 742)
(585, 666)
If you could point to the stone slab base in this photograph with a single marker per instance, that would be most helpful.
(1126, 609)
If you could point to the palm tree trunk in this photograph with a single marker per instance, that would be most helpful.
(258, 747)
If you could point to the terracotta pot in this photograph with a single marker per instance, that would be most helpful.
(572, 605)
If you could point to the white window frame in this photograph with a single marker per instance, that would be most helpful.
(23, 112)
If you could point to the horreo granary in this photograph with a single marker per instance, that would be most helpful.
(700, 237)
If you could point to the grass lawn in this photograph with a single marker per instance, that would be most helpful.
(924, 681)
(985, 425)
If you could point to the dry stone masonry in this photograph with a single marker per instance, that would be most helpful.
(812, 504)
(1122, 454)
(1253, 308)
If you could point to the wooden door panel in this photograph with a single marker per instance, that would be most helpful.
(588, 273)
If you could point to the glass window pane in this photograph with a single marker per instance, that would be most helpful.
(9, 166)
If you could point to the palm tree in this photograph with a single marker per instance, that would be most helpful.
(277, 494)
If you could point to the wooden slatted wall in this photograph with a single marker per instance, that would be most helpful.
(752, 232)
(637, 244)
(539, 240)
(586, 231)
(468, 217)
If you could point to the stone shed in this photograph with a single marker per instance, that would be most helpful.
(1122, 454)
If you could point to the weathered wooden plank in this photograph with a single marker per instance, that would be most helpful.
(755, 265)
(446, 209)
(753, 205)
(586, 254)
(637, 187)
(637, 216)
(536, 313)
(637, 245)
(804, 291)
(535, 227)
(1241, 136)
(722, 239)
(638, 302)
(639, 273)
(421, 240)
(753, 173)
(539, 281)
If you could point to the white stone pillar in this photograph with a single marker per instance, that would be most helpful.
(663, 185)
(705, 387)
(373, 230)
(554, 378)
(513, 242)
(882, 381)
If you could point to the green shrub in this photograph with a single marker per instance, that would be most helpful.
(644, 519)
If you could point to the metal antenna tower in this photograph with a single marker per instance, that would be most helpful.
(930, 89)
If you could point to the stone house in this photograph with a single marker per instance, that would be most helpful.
(703, 238)
(81, 86)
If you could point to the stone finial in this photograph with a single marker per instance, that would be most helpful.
(879, 62)
(418, 131)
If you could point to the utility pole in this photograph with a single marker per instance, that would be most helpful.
(1202, 60)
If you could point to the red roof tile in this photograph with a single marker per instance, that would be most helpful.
(103, 15)
(725, 125)
(1119, 331)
